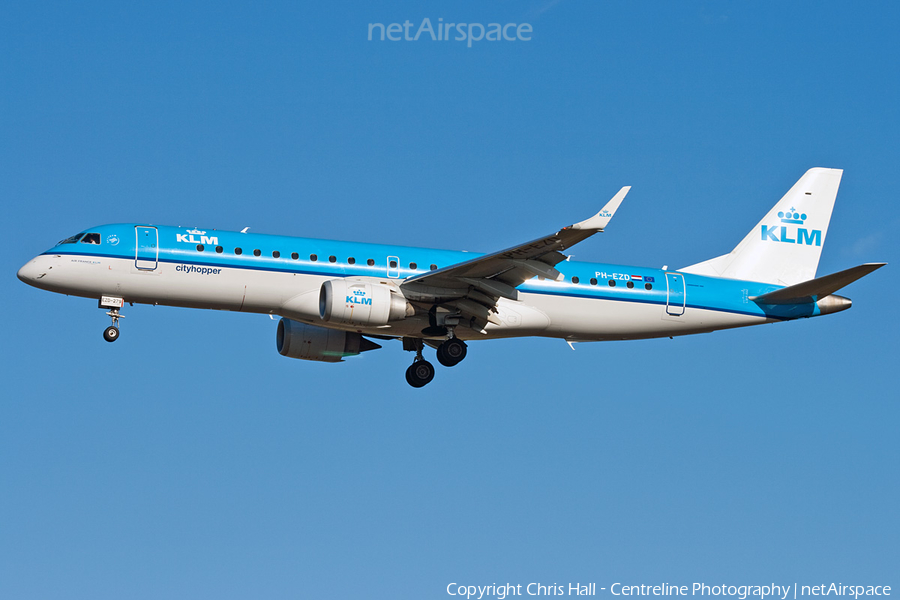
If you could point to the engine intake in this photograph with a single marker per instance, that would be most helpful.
(308, 342)
(344, 302)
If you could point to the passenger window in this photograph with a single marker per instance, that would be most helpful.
(370, 262)
(648, 286)
(238, 251)
(91, 238)
(393, 264)
(593, 281)
(199, 247)
(434, 267)
(351, 260)
(256, 252)
(313, 257)
(295, 256)
(332, 259)
(413, 266)
(276, 254)
(574, 279)
(630, 284)
(219, 249)
(612, 283)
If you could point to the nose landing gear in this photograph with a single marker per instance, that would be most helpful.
(111, 333)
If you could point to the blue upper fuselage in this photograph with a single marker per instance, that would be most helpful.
(330, 258)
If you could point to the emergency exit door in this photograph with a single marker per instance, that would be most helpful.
(675, 299)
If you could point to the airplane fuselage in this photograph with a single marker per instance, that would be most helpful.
(280, 275)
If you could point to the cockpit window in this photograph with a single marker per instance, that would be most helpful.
(91, 238)
(71, 240)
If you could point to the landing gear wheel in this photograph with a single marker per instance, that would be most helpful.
(111, 333)
(452, 352)
(419, 373)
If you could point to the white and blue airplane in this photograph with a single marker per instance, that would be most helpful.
(335, 297)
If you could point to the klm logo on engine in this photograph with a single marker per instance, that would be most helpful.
(359, 297)
(783, 233)
(190, 239)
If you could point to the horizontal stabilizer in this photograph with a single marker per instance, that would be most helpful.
(816, 289)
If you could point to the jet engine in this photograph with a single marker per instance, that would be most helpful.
(308, 342)
(349, 302)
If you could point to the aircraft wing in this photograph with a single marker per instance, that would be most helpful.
(472, 287)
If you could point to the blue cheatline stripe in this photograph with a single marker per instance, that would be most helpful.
(658, 303)
(364, 269)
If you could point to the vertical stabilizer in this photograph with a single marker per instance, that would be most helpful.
(784, 248)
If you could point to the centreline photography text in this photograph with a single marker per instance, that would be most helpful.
(741, 592)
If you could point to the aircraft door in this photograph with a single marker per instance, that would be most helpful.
(146, 248)
(393, 267)
(675, 299)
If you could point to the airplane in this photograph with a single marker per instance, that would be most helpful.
(335, 298)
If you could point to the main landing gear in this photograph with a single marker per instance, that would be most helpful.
(450, 353)
(419, 373)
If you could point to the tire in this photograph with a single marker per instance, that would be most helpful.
(452, 352)
(420, 373)
(111, 333)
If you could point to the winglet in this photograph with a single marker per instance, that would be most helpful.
(599, 221)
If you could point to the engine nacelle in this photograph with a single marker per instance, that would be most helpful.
(349, 302)
(308, 342)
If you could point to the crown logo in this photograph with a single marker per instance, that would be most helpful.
(792, 216)
(198, 232)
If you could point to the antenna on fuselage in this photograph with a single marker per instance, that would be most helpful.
(244, 230)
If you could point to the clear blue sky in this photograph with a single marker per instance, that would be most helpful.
(190, 460)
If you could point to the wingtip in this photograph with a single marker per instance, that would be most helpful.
(599, 221)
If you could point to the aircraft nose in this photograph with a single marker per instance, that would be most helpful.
(31, 271)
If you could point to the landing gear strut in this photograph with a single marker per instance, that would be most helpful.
(421, 372)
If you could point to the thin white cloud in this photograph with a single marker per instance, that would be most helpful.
(865, 245)
(539, 10)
